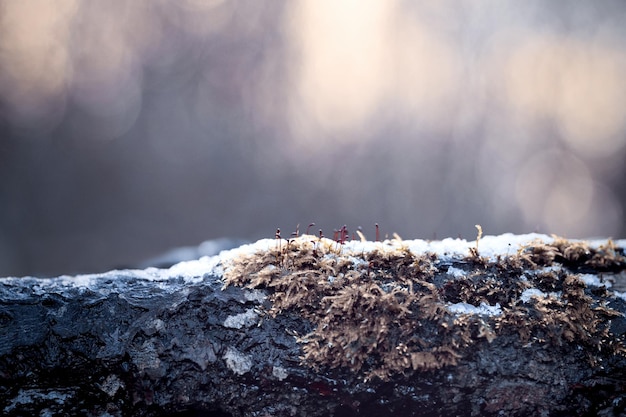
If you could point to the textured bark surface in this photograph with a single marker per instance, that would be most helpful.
(145, 343)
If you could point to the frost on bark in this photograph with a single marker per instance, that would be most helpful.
(312, 327)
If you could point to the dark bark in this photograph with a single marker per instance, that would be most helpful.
(124, 344)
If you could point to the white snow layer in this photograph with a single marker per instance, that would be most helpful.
(195, 271)
(488, 246)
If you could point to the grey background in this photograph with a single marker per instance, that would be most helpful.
(128, 128)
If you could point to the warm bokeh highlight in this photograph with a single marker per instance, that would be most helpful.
(130, 127)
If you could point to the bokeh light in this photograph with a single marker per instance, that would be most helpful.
(575, 83)
(128, 128)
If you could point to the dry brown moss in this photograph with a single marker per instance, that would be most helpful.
(384, 312)
(576, 255)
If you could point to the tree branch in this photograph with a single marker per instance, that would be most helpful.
(313, 327)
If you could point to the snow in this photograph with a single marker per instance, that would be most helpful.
(256, 296)
(456, 272)
(594, 281)
(238, 362)
(196, 271)
(529, 293)
(620, 294)
(488, 246)
(484, 309)
(238, 321)
(279, 372)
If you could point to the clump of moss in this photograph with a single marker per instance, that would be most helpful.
(570, 317)
(575, 255)
(384, 312)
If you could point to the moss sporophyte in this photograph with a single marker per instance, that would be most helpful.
(382, 309)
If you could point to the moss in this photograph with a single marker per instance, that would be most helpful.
(383, 312)
(575, 255)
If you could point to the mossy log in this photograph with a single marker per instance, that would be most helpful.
(508, 325)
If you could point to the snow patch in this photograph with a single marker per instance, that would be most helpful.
(620, 294)
(594, 281)
(197, 270)
(548, 269)
(488, 246)
(456, 272)
(537, 293)
(357, 262)
(238, 321)
(596, 243)
(279, 372)
(237, 361)
(255, 295)
(194, 271)
(484, 309)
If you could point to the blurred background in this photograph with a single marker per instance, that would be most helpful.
(129, 128)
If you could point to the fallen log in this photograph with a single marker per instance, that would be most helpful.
(506, 325)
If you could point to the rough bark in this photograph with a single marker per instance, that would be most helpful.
(144, 343)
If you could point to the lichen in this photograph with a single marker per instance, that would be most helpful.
(385, 312)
